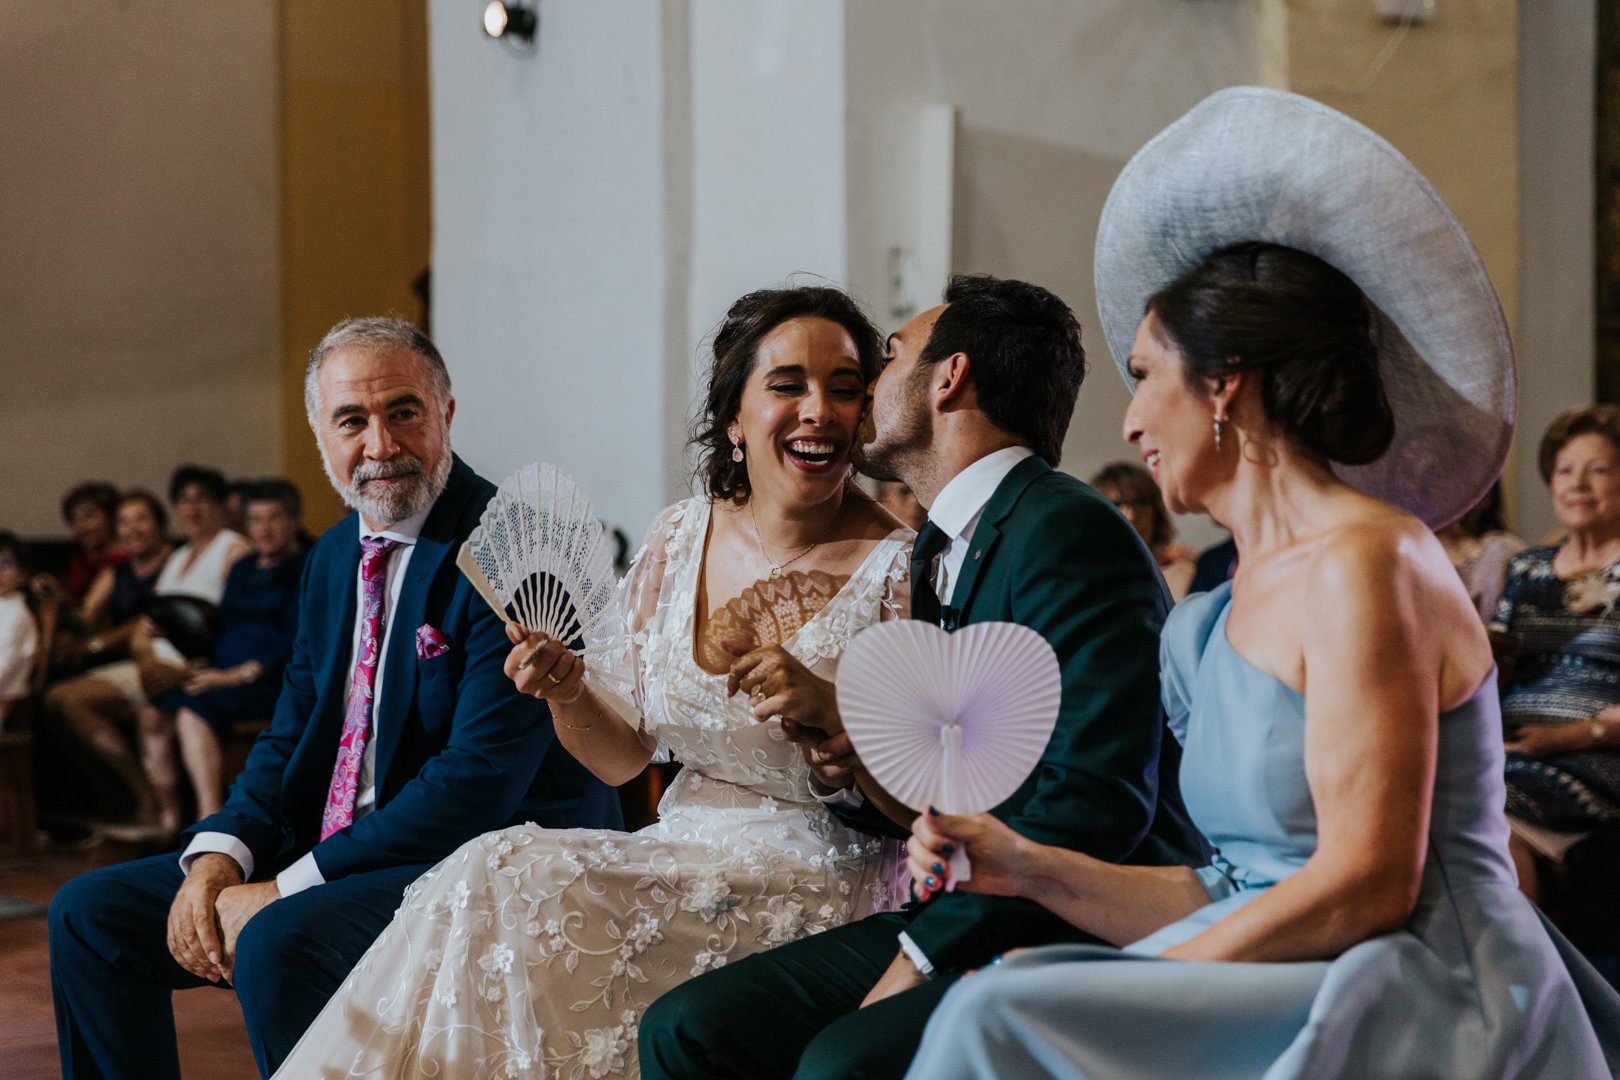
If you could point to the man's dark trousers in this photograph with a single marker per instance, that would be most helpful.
(111, 964)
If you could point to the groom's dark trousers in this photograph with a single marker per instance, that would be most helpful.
(458, 752)
(1052, 554)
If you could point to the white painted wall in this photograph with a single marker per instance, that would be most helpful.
(1054, 97)
(599, 203)
(1555, 330)
(768, 202)
(138, 286)
(549, 282)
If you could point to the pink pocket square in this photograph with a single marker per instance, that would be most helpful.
(430, 643)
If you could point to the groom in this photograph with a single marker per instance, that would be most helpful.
(396, 738)
(971, 411)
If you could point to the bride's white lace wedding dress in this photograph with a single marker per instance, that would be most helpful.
(533, 952)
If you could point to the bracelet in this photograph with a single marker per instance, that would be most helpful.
(574, 727)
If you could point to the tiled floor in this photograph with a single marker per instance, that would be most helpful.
(213, 1045)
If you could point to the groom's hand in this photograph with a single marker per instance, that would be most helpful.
(831, 758)
(236, 906)
(194, 936)
(901, 976)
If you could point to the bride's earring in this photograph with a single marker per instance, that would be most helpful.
(736, 452)
(1217, 432)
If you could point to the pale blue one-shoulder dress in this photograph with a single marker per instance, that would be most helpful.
(1475, 985)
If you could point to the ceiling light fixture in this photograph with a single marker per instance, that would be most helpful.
(514, 21)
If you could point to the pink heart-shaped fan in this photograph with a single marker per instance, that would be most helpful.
(955, 721)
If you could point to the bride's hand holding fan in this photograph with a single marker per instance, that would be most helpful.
(543, 667)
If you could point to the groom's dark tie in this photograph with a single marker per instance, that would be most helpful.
(924, 600)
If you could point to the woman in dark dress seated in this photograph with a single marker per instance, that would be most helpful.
(87, 717)
(259, 616)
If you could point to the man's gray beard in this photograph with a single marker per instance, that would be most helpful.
(398, 502)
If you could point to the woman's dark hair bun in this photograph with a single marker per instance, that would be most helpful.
(1301, 325)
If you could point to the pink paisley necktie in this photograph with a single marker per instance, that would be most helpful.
(340, 796)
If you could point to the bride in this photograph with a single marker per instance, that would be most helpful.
(533, 952)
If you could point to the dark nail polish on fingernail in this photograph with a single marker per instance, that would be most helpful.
(938, 868)
(929, 881)
(933, 811)
(949, 849)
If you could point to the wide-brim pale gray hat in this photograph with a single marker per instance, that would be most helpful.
(1255, 164)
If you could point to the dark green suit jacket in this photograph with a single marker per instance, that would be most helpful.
(1054, 555)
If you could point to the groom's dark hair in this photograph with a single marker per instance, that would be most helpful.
(1024, 353)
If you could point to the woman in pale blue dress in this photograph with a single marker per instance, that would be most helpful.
(1336, 702)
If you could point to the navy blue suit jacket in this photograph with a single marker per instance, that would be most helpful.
(459, 751)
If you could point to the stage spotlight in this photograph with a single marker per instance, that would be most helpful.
(516, 21)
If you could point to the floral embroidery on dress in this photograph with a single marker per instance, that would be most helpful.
(533, 952)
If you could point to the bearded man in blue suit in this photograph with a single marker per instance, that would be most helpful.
(396, 738)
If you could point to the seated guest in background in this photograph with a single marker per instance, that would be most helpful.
(1217, 564)
(235, 504)
(384, 754)
(1480, 547)
(1360, 917)
(95, 706)
(118, 593)
(898, 499)
(90, 511)
(1131, 489)
(199, 566)
(19, 635)
(781, 550)
(970, 411)
(258, 621)
(93, 713)
(1562, 707)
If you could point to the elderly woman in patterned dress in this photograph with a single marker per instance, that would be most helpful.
(1562, 707)
(533, 952)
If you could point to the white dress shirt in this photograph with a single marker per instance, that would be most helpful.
(956, 511)
(305, 873)
(958, 507)
(19, 644)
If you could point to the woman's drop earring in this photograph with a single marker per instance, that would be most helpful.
(737, 453)
(1217, 432)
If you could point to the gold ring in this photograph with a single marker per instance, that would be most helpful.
(554, 680)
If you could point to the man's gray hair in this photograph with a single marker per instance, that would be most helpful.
(375, 333)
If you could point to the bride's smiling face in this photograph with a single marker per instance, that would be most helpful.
(801, 409)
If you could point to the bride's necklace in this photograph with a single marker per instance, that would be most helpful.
(759, 541)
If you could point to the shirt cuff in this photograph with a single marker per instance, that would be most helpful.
(851, 797)
(301, 875)
(915, 955)
(219, 843)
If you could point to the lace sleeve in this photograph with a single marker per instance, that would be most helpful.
(896, 602)
(617, 668)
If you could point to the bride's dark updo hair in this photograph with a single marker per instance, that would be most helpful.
(1303, 327)
(736, 348)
